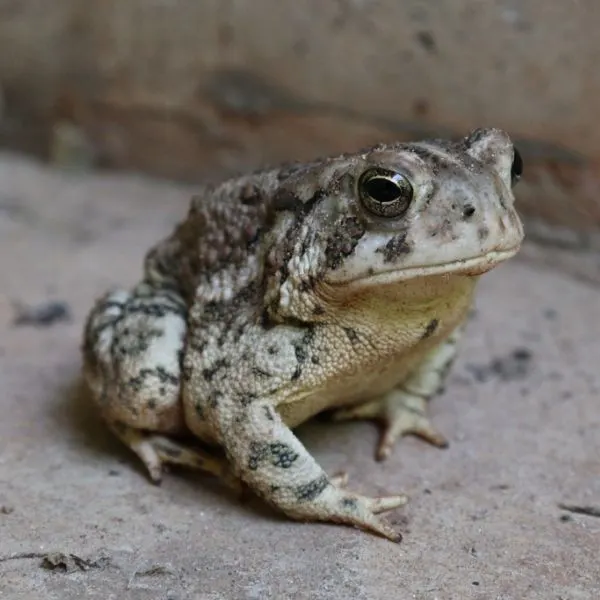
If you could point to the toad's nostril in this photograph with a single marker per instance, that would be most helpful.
(468, 211)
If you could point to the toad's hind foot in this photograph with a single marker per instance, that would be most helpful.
(401, 413)
(156, 451)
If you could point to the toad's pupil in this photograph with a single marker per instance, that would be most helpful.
(382, 189)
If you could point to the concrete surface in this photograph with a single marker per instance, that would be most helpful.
(78, 518)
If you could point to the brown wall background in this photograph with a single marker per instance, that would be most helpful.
(187, 89)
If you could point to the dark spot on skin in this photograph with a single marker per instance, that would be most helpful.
(352, 335)
(482, 233)
(197, 346)
(318, 310)
(304, 248)
(430, 329)
(213, 401)
(315, 360)
(349, 504)
(223, 337)
(313, 489)
(284, 270)
(284, 199)
(257, 454)
(444, 229)
(468, 211)
(396, 247)
(282, 455)
(247, 399)
(301, 350)
(225, 311)
(443, 373)
(427, 41)
(290, 169)
(260, 372)
(265, 320)
(301, 354)
(250, 195)
(343, 241)
(277, 453)
(151, 404)
(160, 373)
(165, 377)
(199, 410)
(272, 350)
(304, 286)
(268, 413)
(313, 200)
(438, 162)
(208, 374)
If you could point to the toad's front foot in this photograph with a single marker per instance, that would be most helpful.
(274, 464)
(401, 413)
(337, 505)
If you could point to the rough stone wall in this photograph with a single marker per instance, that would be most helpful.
(188, 89)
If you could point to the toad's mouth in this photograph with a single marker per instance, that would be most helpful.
(468, 267)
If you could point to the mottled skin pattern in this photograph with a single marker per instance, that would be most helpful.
(287, 292)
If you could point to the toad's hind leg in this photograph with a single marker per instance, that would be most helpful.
(133, 346)
(156, 450)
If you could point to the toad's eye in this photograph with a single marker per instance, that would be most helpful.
(517, 168)
(385, 193)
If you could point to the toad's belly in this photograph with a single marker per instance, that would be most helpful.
(348, 389)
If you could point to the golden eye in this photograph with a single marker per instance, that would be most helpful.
(385, 193)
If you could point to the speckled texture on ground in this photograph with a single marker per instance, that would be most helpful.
(522, 412)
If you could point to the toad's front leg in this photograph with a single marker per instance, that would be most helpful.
(275, 464)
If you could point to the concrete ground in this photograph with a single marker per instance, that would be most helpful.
(78, 517)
